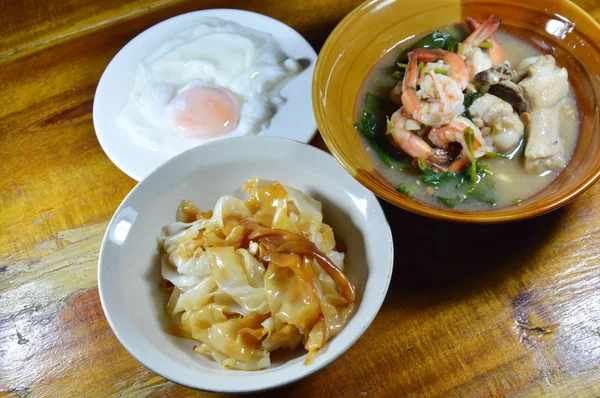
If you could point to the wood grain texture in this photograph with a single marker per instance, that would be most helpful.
(516, 314)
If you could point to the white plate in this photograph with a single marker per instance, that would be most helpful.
(129, 274)
(294, 120)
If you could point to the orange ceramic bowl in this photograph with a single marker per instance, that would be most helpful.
(375, 27)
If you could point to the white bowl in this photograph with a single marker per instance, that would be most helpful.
(116, 83)
(129, 271)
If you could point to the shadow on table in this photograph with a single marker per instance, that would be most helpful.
(440, 261)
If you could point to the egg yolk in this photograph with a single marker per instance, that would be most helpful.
(204, 112)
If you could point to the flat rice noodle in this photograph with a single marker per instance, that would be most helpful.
(169, 272)
(310, 215)
(260, 362)
(225, 337)
(186, 212)
(198, 296)
(329, 325)
(299, 244)
(324, 239)
(196, 265)
(227, 206)
(253, 268)
(288, 298)
(235, 343)
(280, 335)
(229, 270)
(173, 299)
(241, 306)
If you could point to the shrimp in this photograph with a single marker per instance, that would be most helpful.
(458, 70)
(474, 56)
(439, 100)
(455, 132)
(496, 53)
(403, 135)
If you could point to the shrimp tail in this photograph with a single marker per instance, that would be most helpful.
(409, 85)
(485, 32)
(460, 163)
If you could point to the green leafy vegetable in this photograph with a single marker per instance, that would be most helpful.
(368, 125)
(471, 97)
(468, 101)
(482, 188)
(483, 191)
(434, 178)
(404, 190)
(451, 43)
(434, 40)
(449, 202)
(485, 45)
(374, 124)
(440, 71)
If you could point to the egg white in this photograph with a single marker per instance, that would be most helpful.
(214, 53)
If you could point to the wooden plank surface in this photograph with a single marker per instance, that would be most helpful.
(517, 315)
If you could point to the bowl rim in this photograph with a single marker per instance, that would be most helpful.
(378, 293)
(475, 217)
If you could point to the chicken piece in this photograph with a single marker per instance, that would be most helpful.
(544, 150)
(544, 87)
(506, 128)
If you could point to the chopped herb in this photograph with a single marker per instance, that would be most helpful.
(401, 65)
(398, 75)
(404, 190)
(517, 200)
(421, 65)
(469, 135)
(496, 155)
(440, 71)
(485, 45)
(459, 48)
(388, 127)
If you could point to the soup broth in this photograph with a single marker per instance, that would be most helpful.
(511, 183)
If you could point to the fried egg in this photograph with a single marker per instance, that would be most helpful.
(212, 80)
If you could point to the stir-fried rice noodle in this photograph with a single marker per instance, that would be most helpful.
(248, 278)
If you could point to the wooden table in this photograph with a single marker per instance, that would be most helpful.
(471, 311)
